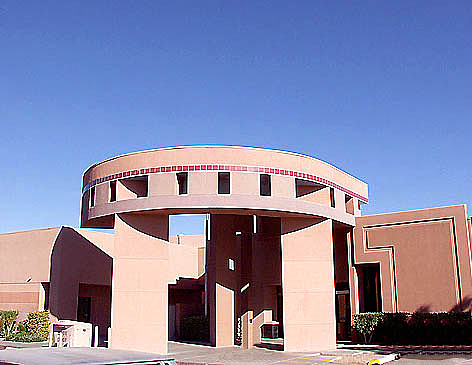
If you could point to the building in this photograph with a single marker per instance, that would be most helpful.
(285, 245)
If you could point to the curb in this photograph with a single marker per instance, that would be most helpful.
(384, 359)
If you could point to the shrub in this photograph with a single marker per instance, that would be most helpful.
(442, 328)
(37, 323)
(7, 322)
(195, 328)
(34, 329)
(366, 323)
(393, 329)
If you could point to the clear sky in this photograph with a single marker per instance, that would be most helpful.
(380, 89)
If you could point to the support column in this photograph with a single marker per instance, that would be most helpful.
(139, 289)
(266, 273)
(223, 275)
(308, 285)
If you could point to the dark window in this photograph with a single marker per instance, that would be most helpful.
(84, 305)
(92, 196)
(223, 182)
(182, 180)
(369, 285)
(349, 203)
(137, 185)
(305, 187)
(113, 191)
(331, 197)
(265, 189)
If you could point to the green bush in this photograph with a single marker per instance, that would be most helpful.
(366, 323)
(7, 322)
(37, 323)
(442, 328)
(34, 329)
(195, 328)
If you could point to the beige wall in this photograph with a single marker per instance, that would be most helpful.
(24, 297)
(183, 262)
(308, 285)
(246, 165)
(189, 240)
(419, 253)
(26, 254)
(224, 155)
(140, 276)
(57, 260)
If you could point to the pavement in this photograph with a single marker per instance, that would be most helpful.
(184, 354)
(78, 355)
(189, 354)
(194, 354)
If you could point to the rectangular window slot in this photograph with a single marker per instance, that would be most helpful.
(182, 181)
(92, 196)
(305, 187)
(137, 186)
(331, 198)
(265, 188)
(349, 202)
(223, 183)
(113, 191)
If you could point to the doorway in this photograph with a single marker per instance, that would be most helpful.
(84, 307)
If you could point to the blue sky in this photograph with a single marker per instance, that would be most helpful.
(381, 90)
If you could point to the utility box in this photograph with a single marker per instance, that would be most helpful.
(270, 330)
(70, 334)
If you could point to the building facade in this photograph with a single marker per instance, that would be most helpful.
(285, 244)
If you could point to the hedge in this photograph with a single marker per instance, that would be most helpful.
(441, 328)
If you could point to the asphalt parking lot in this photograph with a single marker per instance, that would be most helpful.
(423, 359)
(189, 354)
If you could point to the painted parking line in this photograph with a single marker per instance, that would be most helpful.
(327, 360)
(308, 360)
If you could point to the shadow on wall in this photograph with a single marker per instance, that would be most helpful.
(78, 263)
(464, 305)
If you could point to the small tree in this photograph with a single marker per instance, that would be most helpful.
(366, 323)
(7, 322)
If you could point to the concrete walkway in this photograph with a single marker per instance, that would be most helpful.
(185, 354)
(188, 354)
(78, 355)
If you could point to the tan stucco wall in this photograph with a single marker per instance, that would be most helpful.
(245, 166)
(56, 260)
(308, 284)
(183, 262)
(26, 254)
(24, 297)
(424, 258)
(140, 283)
(224, 155)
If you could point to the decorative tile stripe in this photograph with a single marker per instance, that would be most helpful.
(212, 167)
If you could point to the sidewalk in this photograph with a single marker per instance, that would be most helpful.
(189, 354)
(412, 349)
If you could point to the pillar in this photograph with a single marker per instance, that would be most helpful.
(308, 284)
(139, 288)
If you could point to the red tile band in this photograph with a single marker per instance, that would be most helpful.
(266, 170)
